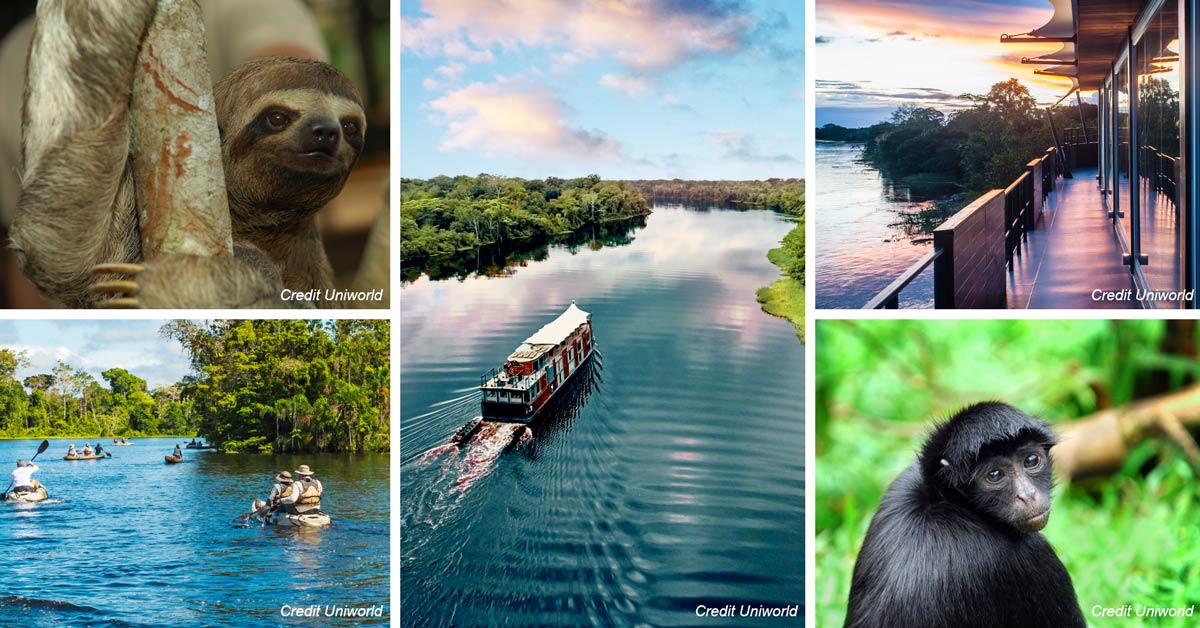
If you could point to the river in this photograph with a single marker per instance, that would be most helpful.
(132, 541)
(861, 246)
(669, 476)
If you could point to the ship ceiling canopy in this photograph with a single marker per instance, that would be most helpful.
(557, 330)
(1098, 29)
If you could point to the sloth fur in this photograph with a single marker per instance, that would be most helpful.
(291, 130)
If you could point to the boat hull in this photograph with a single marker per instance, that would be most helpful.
(27, 497)
(100, 457)
(283, 519)
(173, 459)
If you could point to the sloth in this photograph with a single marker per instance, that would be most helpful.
(290, 130)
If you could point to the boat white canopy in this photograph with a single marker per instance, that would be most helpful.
(557, 330)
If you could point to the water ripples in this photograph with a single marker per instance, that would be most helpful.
(668, 475)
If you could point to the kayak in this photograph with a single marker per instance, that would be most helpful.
(199, 446)
(173, 459)
(280, 518)
(92, 457)
(27, 496)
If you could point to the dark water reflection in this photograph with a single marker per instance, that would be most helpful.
(668, 477)
(866, 235)
(131, 541)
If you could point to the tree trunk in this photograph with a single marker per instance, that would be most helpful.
(179, 176)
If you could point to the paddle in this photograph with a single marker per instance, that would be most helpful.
(45, 444)
(258, 513)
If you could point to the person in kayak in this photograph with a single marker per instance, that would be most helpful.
(99, 450)
(306, 493)
(178, 453)
(22, 477)
(282, 488)
(71, 453)
(87, 449)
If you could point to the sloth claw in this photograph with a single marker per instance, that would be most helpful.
(117, 268)
(114, 287)
(122, 303)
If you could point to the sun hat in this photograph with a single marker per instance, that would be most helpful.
(303, 470)
(283, 476)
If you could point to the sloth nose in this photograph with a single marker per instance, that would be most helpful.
(325, 132)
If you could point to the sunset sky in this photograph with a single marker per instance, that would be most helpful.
(620, 88)
(874, 55)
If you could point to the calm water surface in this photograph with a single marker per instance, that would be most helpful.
(669, 477)
(132, 541)
(860, 247)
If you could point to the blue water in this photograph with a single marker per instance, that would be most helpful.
(669, 476)
(132, 541)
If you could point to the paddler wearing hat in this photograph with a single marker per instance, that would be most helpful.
(306, 493)
(282, 488)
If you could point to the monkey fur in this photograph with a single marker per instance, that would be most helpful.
(290, 129)
(955, 540)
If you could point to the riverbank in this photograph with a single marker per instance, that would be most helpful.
(785, 297)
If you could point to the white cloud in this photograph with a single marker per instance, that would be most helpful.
(628, 85)
(517, 118)
(645, 35)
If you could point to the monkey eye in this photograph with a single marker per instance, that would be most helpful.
(995, 475)
(350, 128)
(277, 120)
(1032, 461)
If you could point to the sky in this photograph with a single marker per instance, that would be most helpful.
(872, 56)
(96, 346)
(626, 89)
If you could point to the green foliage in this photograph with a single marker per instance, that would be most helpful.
(69, 402)
(981, 148)
(446, 215)
(785, 195)
(881, 383)
(289, 385)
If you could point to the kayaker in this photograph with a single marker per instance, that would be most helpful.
(87, 449)
(115, 441)
(178, 453)
(282, 488)
(99, 449)
(71, 453)
(22, 477)
(306, 493)
(193, 443)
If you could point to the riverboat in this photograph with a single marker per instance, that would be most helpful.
(538, 369)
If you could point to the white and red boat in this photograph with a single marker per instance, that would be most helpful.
(538, 369)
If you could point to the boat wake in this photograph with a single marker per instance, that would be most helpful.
(478, 443)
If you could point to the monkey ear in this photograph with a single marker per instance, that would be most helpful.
(945, 463)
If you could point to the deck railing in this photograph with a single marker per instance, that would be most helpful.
(967, 267)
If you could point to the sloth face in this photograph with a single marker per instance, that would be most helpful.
(290, 132)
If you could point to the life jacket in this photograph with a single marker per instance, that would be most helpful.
(310, 495)
(287, 491)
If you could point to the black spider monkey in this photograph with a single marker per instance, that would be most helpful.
(955, 541)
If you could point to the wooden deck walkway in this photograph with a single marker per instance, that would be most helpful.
(1073, 252)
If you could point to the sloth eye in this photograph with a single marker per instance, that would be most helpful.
(350, 128)
(277, 119)
(995, 475)
(1032, 461)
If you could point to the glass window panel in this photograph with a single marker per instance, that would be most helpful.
(1158, 139)
(1121, 182)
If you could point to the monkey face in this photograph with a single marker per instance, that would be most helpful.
(1014, 486)
(290, 132)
